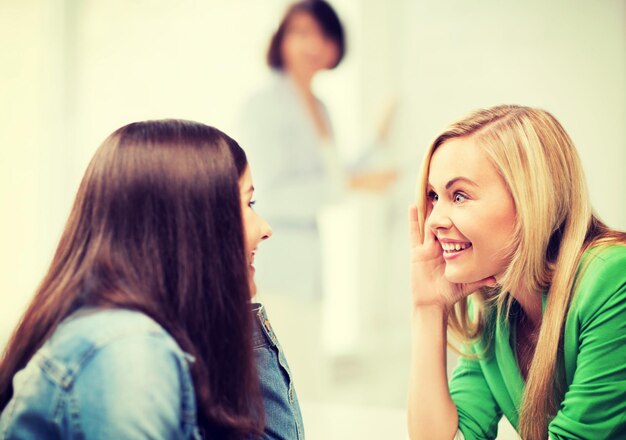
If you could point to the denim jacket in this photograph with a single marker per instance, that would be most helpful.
(104, 374)
(117, 374)
(283, 420)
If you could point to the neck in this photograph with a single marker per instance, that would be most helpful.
(302, 81)
(532, 304)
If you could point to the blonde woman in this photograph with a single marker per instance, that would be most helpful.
(508, 255)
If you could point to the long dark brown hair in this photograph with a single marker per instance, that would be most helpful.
(156, 227)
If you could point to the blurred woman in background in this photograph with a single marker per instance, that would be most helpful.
(293, 147)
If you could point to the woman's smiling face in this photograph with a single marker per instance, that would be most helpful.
(256, 228)
(472, 213)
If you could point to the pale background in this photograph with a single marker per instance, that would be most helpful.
(72, 71)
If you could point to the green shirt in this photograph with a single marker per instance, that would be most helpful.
(594, 406)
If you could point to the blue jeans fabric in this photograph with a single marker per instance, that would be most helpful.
(283, 419)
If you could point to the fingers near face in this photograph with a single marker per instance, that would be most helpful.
(414, 229)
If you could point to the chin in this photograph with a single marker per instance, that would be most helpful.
(460, 277)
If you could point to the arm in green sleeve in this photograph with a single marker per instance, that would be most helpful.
(594, 405)
(478, 411)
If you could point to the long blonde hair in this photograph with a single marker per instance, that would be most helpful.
(555, 224)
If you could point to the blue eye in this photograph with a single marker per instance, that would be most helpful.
(459, 197)
(251, 203)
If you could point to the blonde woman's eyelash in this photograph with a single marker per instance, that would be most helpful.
(461, 194)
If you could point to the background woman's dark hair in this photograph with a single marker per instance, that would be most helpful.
(326, 18)
(156, 227)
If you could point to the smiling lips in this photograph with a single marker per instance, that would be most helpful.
(451, 250)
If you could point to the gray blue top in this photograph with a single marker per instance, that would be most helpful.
(293, 173)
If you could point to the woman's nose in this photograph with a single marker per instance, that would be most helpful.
(266, 230)
(438, 218)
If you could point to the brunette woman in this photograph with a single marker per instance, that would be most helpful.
(142, 326)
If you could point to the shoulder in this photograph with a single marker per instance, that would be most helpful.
(263, 112)
(129, 371)
(120, 374)
(606, 256)
(138, 365)
(276, 91)
(94, 338)
(601, 280)
(92, 329)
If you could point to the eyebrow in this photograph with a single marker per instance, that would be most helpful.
(460, 179)
(249, 190)
(455, 180)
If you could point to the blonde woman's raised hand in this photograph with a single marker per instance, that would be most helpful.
(428, 283)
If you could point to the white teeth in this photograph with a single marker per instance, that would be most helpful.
(455, 247)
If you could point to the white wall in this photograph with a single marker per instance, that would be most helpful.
(566, 56)
(33, 154)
